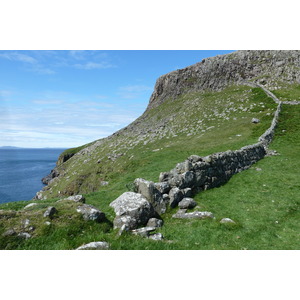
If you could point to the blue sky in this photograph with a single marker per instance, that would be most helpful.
(69, 98)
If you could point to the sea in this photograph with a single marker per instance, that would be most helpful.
(21, 171)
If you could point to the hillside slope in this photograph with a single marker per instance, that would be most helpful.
(186, 109)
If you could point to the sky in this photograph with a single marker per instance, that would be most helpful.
(63, 99)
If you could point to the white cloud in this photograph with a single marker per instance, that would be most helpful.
(94, 65)
(18, 57)
(133, 91)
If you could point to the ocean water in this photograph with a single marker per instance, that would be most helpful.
(21, 171)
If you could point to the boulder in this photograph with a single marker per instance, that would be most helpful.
(90, 212)
(187, 203)
(132, 209)
(94, 246)
(255, 120)
(51, 210)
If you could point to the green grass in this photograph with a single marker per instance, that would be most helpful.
(264, 204)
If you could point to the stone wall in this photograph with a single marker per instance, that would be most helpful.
(201, 173)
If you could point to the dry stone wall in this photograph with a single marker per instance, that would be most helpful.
(201, 173)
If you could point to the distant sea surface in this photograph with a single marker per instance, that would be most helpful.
(21, 171)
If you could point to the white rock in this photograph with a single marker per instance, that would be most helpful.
(94, 246)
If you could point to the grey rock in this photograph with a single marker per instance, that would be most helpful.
(226, 221)
(176, 196)
(25, 223)
(154, 222)
(51, 210)
(187, 203)
(24, 235)
(103, 183)
(163, 187)
(75, 198)
(151, 193)
(144, 231)
(30, 205)
(9, 232)
(156, 236)
(94, 246)
(255, 120)
(194, 215)
(90, 212)
(132, 209)
(48, 223)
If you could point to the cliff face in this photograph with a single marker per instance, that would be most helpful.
(270, 68)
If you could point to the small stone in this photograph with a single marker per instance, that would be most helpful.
(94, 246)
(255, 120)
(186, 203)
(156, 236)
(75, 198)
(193, 215)
(103, 183)
(226, 221)
(48, 223)
(51, 210)
(144, 231)
(258, 169)
(30, 205)
(24, 235)
(154, 222)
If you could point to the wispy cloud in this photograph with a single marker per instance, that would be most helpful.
(31, 63)
(18, 57)
(59, 123)
(94, 65)
(133, 91)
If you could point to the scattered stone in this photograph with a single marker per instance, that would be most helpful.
(90, 212)
(156, 236)
(75, 198)
(193, 215)
(255, 120)
(9, 232)
(132, 209)
(30, 205)
(94, 246)
(7, 214)
(226, 221)
(271, 152)
(187, 203)
(154, 222)
(25, 223)
(144, 231)
(103, 183)
(48, 223)
(51, 210)
(24, 235)
(258, 169)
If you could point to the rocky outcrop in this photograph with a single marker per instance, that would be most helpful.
(269, 68)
